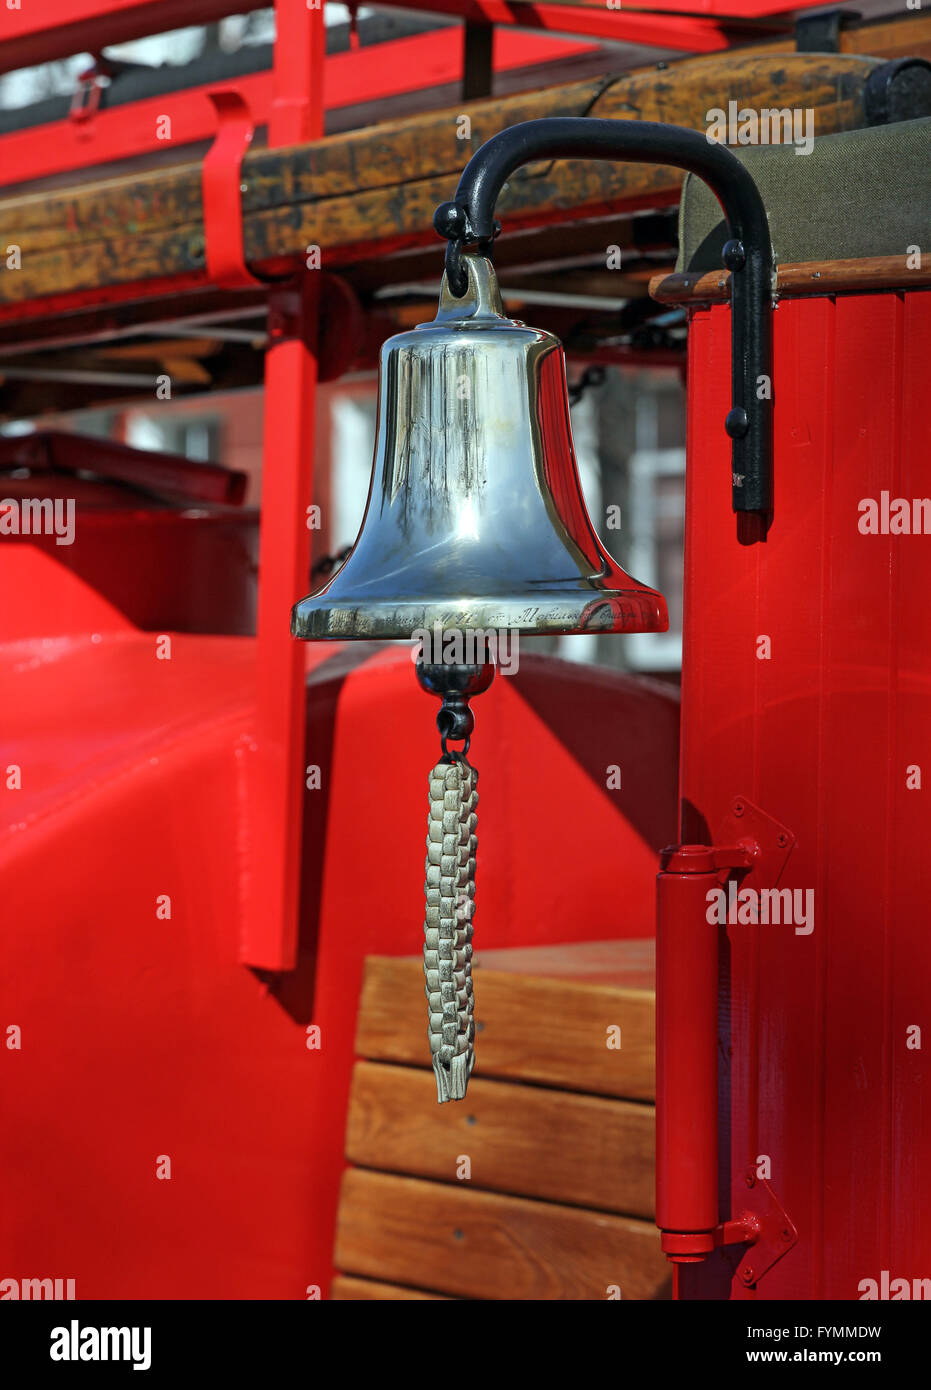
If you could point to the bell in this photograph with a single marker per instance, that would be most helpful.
(475, 516)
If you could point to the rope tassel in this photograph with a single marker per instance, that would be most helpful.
(450, 895)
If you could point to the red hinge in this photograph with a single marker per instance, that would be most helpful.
(754, 847)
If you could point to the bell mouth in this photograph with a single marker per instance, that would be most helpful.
(556, 611)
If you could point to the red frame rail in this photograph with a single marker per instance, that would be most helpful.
(375, 73)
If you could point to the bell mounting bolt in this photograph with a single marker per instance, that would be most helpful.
(748, 254)
(455, 685)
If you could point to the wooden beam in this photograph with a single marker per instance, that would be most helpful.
(902, 37)
(804, 278)
(525, 1140)
(552, 1031)
(347, 1288)
(371, 192)
(481, 1245)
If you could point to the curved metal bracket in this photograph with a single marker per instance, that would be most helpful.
(222, 195)
(748, 254)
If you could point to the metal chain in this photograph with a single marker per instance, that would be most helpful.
(450, 904)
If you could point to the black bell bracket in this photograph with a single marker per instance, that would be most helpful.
(748, 253)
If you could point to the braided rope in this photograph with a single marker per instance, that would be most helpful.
(447, 950)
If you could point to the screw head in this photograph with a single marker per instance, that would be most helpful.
(748, 1275)
(738, 808)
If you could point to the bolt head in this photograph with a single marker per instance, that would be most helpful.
(737, 422)
(449, 221)
(733, 255)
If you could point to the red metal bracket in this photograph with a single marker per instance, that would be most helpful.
(85, 100)
(221, 179)
(270, 936)
(772, 842)
(764, 1227)
(748, 839)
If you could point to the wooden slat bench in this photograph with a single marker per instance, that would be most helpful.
(540, 1184)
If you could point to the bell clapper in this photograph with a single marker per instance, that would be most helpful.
(449, 885)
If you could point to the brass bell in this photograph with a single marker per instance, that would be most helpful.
(475, 516)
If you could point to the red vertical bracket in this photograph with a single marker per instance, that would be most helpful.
(270, 927)
(221, 178)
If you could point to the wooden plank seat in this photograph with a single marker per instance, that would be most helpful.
(539, 1185)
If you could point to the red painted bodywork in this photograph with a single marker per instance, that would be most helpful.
(143, 1036)
(815, 1067)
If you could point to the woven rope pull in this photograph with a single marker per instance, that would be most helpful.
(447, 928)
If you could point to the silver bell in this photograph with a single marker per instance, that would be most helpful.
(475, 516)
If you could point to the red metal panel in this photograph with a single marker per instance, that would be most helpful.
(142, 1035)
(909, 1220)
(816, 1074)
(863, 666)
